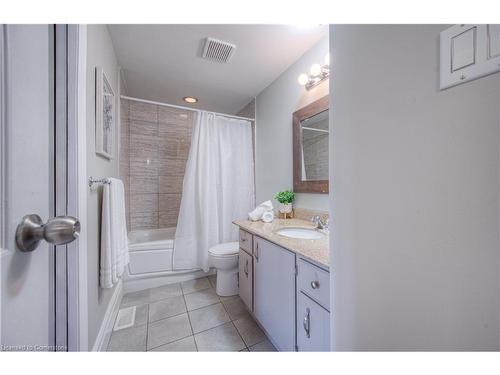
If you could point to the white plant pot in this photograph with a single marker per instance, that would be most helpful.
(285, 208)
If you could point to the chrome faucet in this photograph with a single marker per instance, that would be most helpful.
(320, 224)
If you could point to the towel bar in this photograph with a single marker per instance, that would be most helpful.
(100, 181)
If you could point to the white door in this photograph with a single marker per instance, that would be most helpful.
(274, 292)
(27, 299)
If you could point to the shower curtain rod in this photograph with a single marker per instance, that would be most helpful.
(182, 107)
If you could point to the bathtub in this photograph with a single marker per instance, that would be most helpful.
(151, 251)
(151, 255)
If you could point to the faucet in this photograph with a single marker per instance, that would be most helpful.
(320, 224)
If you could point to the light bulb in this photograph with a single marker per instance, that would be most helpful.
(327, 59)
(303, 79)
(315, 70)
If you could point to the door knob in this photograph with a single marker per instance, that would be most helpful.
(59, 230)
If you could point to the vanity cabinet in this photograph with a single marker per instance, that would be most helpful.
(287, 294)
(274, 292)
(246, 279)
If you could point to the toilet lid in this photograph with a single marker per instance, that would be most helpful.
(226, 248)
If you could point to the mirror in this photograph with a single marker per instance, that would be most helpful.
(310, 147)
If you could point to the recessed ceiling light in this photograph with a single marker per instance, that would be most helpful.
(190, 99)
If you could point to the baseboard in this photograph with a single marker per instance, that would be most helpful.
(102, 339)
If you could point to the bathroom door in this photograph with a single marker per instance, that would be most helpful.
(29, 303)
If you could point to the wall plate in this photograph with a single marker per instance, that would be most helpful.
(468, 52)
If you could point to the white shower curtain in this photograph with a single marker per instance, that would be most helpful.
(218, 188)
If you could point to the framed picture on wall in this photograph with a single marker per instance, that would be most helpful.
(104, 115)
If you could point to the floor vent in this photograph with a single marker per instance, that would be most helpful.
(125, 318)
(218, 50)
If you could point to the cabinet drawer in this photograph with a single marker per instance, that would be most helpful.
(313, 326)
(314, 281)
(246, 241)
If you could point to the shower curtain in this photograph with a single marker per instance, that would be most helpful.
(218, 188)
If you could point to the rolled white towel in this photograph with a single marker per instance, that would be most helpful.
(260, 210)
(268, 216)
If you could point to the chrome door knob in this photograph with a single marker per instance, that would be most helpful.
(59, 230)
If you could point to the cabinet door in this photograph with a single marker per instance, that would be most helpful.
(313, 326)
(274, 292)
(246, 279)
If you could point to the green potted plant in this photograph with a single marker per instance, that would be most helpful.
(285, 198)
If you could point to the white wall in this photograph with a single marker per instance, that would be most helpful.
(415, 248)
(99, 53)
(274, 108)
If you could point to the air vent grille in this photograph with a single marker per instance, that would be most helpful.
(218, 50)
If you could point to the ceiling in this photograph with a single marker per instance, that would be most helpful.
(163, 62)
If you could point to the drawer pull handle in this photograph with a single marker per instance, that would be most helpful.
(306, 323)
(243, 240)
(257, 252)
(315, 284)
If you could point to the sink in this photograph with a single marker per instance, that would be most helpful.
(301, 233)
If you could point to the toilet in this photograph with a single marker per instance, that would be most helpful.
(224, 258)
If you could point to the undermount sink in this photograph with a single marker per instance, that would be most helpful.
(301, 233)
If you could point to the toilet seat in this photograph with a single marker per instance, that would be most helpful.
(226, 249)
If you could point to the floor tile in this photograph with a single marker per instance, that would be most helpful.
(195, 285)
(168, 330)
(208, 317)
(222, 298)
(213, 280)
(201, 299)
(249, 331)
(224, 338)
(235, 308)
(166, 308)
(165, 291)
(183, 345)
(264, 346)
(131, 339)
(135, 298)
(141, 315)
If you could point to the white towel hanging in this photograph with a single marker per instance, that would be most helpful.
(114, 241)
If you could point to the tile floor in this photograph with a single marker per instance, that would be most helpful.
(186, 317)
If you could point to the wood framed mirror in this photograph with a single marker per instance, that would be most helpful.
(310, 147)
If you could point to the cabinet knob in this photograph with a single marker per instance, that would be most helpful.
(315, 284)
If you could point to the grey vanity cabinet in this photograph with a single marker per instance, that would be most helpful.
(313, 325)
(274, 292)
(246, 279)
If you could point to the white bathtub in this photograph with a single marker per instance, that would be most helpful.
(151, 251)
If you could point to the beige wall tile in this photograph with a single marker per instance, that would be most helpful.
(144, 220)
(167, 219)
(143, 203)
(170, 184)
(169, 202)
(143, 127)
(141, 168)
(171, 167)
(143, 185)
(143, 147)
(143, 111)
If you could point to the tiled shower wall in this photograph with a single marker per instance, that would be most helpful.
(154, 148)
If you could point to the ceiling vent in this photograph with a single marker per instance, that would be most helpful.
(218, 50)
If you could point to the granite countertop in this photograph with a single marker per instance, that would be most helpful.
(315, 250)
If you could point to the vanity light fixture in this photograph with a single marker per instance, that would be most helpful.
(190, 99)
(317, 74)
